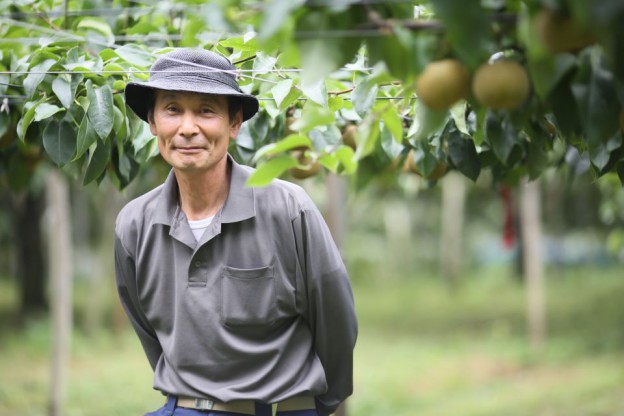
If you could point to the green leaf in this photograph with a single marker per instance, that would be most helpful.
(537, 159)
(346, 157)
(290, 142)
(275, 13)
(270, 170)
(389, 143)
(548, 71)
(140, 133)
(241, 43)
(393, 122)
(398, 51)
(336, 103)
(468, 29)
(313, 115)
(281, 90)
(134, 55)
(36, 75)
(119, 126)
(263, 63)
(46, 110)
(463, 154)
(100, 110)
(501, 135)
(100, 155)
(316, 91)
(64, 87)
(366, 137)
(94, 27)
(330, 162)
(425, 160)
(458, 113)
(598, 104)
(426, 122)
(59, 141)
(28, 117)
(561, 101)
(86, 137)
(364, 96)
(325, 136)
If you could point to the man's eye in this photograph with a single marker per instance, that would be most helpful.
(206, 110)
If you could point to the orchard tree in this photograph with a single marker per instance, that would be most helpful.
(368, 88)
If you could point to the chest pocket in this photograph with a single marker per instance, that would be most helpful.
(248, 296)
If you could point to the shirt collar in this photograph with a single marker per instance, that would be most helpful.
(239, 205)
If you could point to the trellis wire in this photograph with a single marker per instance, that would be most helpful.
(173, 7)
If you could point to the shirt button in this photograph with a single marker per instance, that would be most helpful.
(198, 263)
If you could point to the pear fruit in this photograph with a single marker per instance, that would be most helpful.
(438, 172)
(312, 167)
(560, 33)
(501, 85)
(348, 136)
(443, 83)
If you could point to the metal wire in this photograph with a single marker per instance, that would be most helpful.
(179, 7)
(115, 46)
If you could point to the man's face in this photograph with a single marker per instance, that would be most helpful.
(193, 129)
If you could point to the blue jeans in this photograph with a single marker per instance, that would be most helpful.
(171, 409)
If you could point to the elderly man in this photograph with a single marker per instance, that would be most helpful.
(238, 295)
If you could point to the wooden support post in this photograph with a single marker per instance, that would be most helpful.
(452, 227)
(60, 269)
(336, 221)
(530, 215)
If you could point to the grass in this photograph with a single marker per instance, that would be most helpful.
(422, 350)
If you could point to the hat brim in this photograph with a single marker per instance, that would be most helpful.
(138, 95)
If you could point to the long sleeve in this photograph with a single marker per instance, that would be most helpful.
(128, 295)
(330, 307)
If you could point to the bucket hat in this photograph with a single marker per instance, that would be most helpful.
(194, 70)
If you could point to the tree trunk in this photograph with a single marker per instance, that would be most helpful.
(60, 261)
(530, 206)
(451, 241)
(27, 210)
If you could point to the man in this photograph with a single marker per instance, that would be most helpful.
(238, 295)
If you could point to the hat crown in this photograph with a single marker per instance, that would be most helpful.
(191, 70)
(199, 62)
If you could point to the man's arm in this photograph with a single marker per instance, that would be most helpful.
(125, 273)
(330, 308)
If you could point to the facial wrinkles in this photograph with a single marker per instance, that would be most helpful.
(191, 116)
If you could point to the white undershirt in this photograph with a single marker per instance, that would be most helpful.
(198, 227)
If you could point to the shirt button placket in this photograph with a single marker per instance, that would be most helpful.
(197, 273)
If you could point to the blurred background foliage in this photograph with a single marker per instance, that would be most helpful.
(432, 342)
(427, 346)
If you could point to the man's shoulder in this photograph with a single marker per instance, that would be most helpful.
(285, 196)
(139, 209)
(279, 188)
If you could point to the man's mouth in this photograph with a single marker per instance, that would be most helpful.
(189, 149)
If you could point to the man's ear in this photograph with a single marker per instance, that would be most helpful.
(152, 123)
(235, 124)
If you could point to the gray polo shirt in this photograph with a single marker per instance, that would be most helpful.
(260, 308)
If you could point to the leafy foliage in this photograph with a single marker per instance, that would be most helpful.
(318, 67)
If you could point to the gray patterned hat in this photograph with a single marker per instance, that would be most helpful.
(195, 70)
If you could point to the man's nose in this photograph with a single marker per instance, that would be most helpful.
(188, 126)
